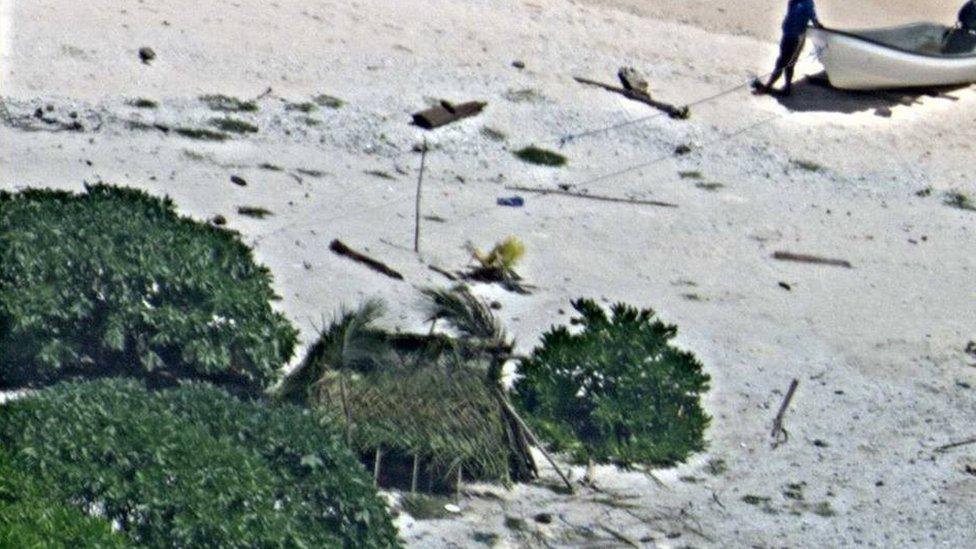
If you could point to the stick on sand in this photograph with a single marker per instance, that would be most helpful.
(779, 434)
(804, 258)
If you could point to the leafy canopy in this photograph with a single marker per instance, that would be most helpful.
(114, 282)
(615, 390)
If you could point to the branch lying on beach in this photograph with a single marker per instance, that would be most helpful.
(804, 258)
(966, 442)
(338, 247)
(540, 190)
(673, 111)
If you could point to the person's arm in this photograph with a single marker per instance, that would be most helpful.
(814, 22)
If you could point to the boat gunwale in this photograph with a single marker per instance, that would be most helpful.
(853, 34)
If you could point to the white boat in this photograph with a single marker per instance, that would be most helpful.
(909, 56)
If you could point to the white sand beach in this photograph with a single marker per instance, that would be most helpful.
(878, 348)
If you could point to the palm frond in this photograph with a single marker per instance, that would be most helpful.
(350, 342)
(467, 314)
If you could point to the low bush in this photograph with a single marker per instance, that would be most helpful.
(114, 282)
(30, 518)
(615, 390)
(194, 467)
(541, 157)
(226, 103)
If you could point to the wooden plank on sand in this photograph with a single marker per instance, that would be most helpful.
(445, 113)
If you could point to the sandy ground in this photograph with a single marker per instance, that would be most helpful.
(761, 18)
(878, 348)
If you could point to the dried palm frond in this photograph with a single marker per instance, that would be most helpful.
(464, 312)
(504, 256)
(350, 342)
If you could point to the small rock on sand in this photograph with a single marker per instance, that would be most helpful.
(146, 54)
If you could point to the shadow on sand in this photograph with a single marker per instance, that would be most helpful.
(815, 94)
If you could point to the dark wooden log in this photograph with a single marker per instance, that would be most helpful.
(445, 113)
(338, 247)
(817, 260)
(673, 111)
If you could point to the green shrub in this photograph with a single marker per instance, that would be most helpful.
(226, 103)
(202, 134)
(30, 518)
(328, 101)
(233, 125)
(113, 282)
(616, 390)
(194, 467)
(541, 157)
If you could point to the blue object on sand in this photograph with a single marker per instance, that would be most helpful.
(511, 201)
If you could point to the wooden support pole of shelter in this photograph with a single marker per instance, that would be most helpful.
(345, 410)
(457, 488)
(532, 438)
(420, 183)
(416, 474)
(376, 465)
(680, 113)
(601, 198)
(778, 433)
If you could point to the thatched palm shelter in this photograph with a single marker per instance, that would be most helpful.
(421, 409)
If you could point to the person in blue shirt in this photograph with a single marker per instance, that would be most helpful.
(800, 15)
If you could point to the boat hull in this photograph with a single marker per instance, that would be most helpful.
(853, 63)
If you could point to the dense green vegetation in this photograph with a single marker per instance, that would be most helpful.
(114, 282)
(615, 390)
(30, 518)
(190, 467)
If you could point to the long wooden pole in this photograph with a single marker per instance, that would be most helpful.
(416, 474)
(420, 184)
(376, 465)
(532, 438)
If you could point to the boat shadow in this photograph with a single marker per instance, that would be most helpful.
(815, 94)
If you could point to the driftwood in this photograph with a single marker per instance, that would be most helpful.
(601, 198)
(779, 433)
(966, 442)
(445, 113)
(641, 96)
(804, 258)
(338, 247)
(524, 430)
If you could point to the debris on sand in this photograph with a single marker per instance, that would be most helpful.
(447, 112)
(817, 260)
(338, 247)
(146, 55)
